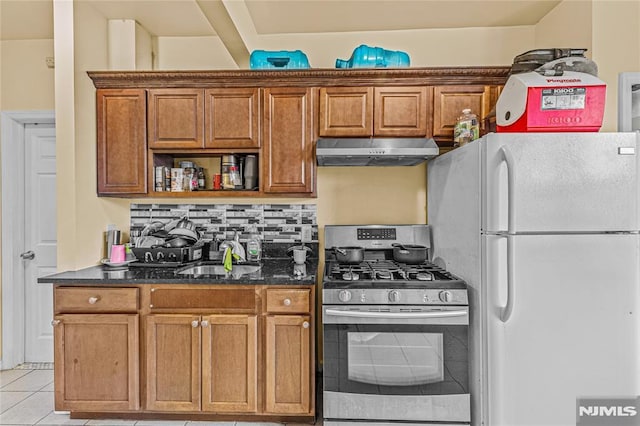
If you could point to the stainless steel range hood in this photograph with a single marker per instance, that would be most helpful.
(374, 151)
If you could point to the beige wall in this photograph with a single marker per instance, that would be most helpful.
(552, 31)
(345, 195)
(610, 29)
(192, 53)
(437, 47)
(616, 48)
(26, 83)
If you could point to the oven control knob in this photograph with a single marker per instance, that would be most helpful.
(445, 296)
(394, 296)
(344, 295)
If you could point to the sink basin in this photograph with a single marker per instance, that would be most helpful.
(238, 270)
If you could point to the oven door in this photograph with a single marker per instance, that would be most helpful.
(406, 363)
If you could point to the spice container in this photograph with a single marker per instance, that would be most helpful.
(217, 181)
(201, 179)
(229, 163)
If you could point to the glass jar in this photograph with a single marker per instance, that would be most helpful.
(466, 129)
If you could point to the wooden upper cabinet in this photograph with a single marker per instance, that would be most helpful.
(121, 141)
(229, 363)
(400, 111)
(288, 150)
(373, 111)
(97, 362)
(231, 118)
(346, 111)
(176, 118)
(449, 101)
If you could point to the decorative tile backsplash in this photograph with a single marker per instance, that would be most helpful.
(277, 223)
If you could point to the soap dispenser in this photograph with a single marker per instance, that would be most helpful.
(253, 249)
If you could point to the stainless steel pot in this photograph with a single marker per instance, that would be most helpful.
(349, 254)
(185, 223)
(409, 253)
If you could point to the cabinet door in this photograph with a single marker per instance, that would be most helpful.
(288, 369)
(231, 118)
(289, 161)
(176, 118)
(346, 111)
(121, 141)
(229, 363)
(96, 362)
(449, 101)
(400, 112)
(173, 362)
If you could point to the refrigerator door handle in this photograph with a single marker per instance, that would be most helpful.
(507, 310)
(507, 157)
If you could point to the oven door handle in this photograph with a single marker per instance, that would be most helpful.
(395, 315)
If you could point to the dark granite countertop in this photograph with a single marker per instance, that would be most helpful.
(276, 271)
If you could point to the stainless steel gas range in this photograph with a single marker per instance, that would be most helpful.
(395, 336)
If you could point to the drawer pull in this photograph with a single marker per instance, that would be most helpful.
(55, 322)
(194, 323)
(287, 302)
(205, 323)
(93, 299)
(305, 324)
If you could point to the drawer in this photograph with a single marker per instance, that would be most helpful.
(288, 300)
(95, 299)
(203, 298)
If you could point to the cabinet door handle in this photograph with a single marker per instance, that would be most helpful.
(305, 324)
(287, 302)
(194, 323)
(55, 322)
(93, 299)
(205, 323)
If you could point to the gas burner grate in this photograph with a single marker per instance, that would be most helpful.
(387, 270)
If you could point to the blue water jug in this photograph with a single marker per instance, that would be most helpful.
(278, 59)
(374, 57)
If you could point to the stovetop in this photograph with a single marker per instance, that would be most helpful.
(388, 274)
(379, 279)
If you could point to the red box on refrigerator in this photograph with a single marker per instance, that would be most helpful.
(531, 102)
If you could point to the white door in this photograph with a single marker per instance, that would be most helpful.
(39, 256)
(573, 331)
(562, 182)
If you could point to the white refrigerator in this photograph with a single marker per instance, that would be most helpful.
(544, 227)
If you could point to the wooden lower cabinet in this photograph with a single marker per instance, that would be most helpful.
(288, 370)
(96, 362)
(173, 362)
(203, 363)
(229, 363)
(181, 351)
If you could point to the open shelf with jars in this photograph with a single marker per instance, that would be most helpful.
(207, 173)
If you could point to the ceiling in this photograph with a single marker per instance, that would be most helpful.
(33, 19)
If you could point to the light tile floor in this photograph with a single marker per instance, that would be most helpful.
(26, 398)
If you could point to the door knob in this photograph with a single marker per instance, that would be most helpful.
(28, 255)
